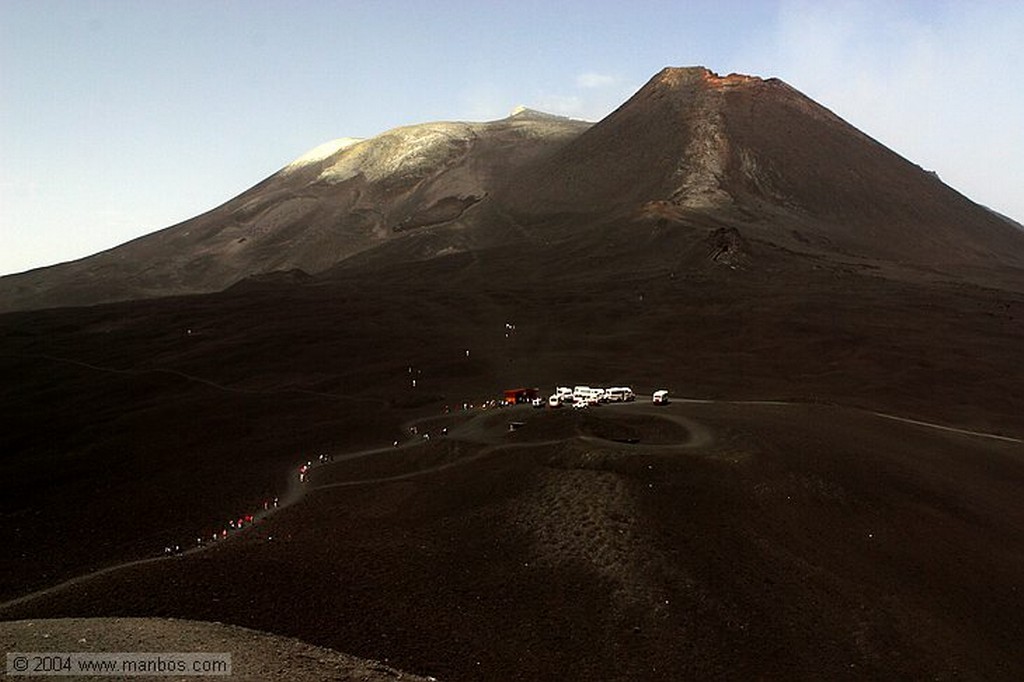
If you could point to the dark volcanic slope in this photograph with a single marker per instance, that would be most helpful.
(764, 157)
(788, 150)
(123, 427)
(320, 210)
(124, 433)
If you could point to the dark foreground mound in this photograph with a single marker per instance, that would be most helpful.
(254, 655)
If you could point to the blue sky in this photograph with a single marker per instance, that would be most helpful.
(119, 118)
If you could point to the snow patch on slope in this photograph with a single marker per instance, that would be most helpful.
(321, 152)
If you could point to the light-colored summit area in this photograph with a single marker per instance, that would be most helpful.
(409, 150)
(322, 151)
(417, 150)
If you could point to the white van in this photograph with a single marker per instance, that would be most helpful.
(564, 394)
(619, 394)
(660, 397)
(554, 400)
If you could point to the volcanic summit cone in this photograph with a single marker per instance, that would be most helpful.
(758, 153)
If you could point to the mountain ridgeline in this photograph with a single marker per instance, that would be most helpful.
(733, 164)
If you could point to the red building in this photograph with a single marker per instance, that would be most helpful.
(514, 396)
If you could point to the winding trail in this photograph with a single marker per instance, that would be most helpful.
(472, 431)
(469, 431)
(436, 468)
(293, 494)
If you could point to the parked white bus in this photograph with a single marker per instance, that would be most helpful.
(619, 394)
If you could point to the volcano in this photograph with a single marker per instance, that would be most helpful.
(753, 157)
(282, 415)
(755, 153)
